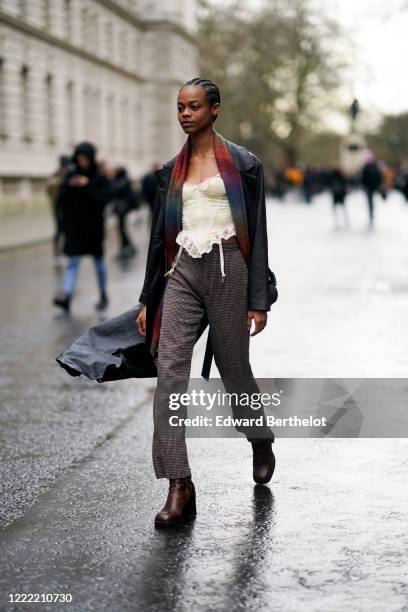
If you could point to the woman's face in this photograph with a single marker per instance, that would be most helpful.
(83, 161)
(194, 110)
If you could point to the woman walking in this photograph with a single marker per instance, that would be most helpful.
(207, 264)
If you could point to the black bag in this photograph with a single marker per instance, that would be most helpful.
(272, 289)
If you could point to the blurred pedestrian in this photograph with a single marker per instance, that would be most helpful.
(388, 177)
(338, 188)
(281, 185)
(124, 199)
(294, 175)
(149, 187)
(401, 179)
(371, 180)
(83, 196)
(52, 188)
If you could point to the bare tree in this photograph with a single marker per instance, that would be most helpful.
(277, 68)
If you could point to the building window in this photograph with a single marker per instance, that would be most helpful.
(46, 14)
(125, 131)
(123, 46)
(67, 19)
(95, 33)
(90, 30)
(25, 104)
(3, 101)
(111, 121)
(87, 117)
(138, 127)
(84, 27)
(22, 8)
(97, 115)
(135, 58)
(91, 106)
(49, 106)
(69, 119)
(109, 40)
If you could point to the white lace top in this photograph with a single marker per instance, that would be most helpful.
(206, 218)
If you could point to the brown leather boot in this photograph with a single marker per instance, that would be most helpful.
(263, 461)
(180, 505)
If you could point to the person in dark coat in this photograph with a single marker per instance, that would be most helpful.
(124, 199)
(338, 188)
(371, 180)
(149, 187)
(52, 188)
(83, 196)
(401, 179)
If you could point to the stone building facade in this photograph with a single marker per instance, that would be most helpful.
(101, 70)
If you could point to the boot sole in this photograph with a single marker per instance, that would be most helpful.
(180, 521)
(190, 512)
(264, 481)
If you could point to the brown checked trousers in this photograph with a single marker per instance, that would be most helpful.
(193, 289)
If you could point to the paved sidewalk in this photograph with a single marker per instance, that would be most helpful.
(25, 229)
(79, 493)
(343, 293)
(36, 227)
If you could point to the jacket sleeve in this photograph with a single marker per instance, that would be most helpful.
(258, 295)
(156, 233)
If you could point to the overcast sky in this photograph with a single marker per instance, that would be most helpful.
(379, 31)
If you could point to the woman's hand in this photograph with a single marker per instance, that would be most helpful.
(141, 321)
(79, 180)
(260, 317)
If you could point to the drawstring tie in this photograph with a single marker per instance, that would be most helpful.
(178, 257)
(221, 262)
(175, 261)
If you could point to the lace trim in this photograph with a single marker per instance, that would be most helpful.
(197, 250)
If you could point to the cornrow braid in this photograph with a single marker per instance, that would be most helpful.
(212, 93)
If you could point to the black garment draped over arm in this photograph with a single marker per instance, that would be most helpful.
(258, 295)
(156, 235)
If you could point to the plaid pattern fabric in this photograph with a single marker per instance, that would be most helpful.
(174, 212)
(193, 289)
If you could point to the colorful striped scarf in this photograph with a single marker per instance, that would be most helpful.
(174, 209)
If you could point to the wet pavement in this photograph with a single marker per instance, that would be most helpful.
(78, 492)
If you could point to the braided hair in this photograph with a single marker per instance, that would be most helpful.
(212, 93)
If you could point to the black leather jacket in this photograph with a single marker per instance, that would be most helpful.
(251, 171)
